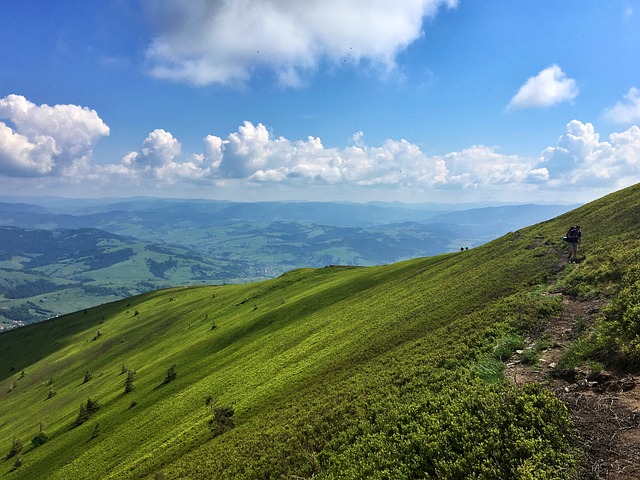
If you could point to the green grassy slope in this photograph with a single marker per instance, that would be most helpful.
(46, 273)
(376, 372)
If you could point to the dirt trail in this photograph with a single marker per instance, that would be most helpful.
(605, 407)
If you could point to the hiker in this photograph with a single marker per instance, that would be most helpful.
(574, 236)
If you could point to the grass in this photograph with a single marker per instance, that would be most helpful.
(341, 372)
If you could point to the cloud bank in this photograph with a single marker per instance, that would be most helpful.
(46, 140)
(549, 87)
(202, 42)
(253, 156)
(56, 143)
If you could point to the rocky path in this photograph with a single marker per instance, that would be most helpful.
(605, 406)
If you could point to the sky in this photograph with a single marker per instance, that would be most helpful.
(323, 100)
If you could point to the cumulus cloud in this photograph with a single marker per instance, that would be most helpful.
(203, 41)
(253, 154)
(626, 111)
(580, 158)
(46, 140)
(481, 165)
(549, 87)
(159, 160)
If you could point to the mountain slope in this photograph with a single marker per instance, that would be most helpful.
(48, 272)
(368, 372)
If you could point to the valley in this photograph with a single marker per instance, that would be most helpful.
(75, 254)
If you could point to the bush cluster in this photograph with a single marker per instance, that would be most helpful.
(86, 411)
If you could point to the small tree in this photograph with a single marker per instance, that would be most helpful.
(87, 376)
(16, 448)
(222, 419)
(41, 438)
(86, 411)
(96, 431)
(171, 374)
(128, 383)
(17, 464)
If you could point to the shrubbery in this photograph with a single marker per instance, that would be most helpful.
(171, 374)
(16, 448)
(86, 411)
(477, 431)
(615, 337)
(40, 439)
(222, 417)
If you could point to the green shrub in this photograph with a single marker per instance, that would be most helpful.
(40, 439)
(222, 419)
(507, 345)
(490, 370)
(466, 431)
(17, 464)
(171, 374)
(575, 353)
(16, 448)
(530, 356)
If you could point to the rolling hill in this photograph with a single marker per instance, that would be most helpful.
(340, 372)
(44, 273)
(76, 253)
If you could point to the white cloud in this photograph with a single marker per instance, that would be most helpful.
(480, 165)
(627, 111)
(253, 158)
(549, 87)
(46, 140)
(156, 158)
(252, 154)
(158, 150)
(581, 159)
(158, 161)
(203, 42)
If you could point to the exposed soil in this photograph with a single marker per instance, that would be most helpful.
(605, 406)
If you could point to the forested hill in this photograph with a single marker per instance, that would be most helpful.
(340, 372)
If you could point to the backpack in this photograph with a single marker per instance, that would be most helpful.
(572, 235)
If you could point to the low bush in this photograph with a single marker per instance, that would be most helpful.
(507, 345)
(40, 439)
(16, 448)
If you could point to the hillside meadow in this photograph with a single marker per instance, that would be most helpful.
(341, 372)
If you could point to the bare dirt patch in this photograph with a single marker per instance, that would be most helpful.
(605, 406)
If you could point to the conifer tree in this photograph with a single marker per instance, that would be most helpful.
(128, 383)
(171, 374)
(16, 448)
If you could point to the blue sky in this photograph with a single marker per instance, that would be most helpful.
(411, 100)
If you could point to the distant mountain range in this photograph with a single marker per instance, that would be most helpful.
(61, 255)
